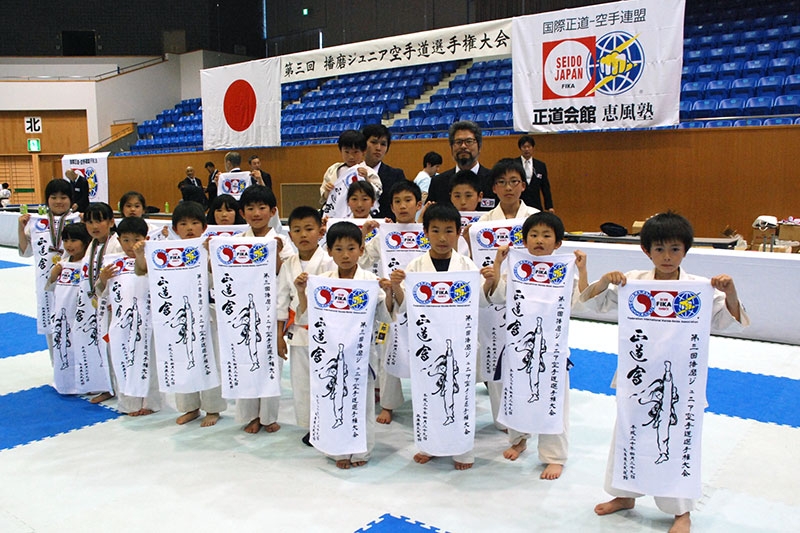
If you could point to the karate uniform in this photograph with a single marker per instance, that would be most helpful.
(458, 263)
(296, 335)
(332, 176)
(721, 319)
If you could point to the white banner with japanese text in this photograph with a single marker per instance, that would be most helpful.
(456, 43)
(130, 330)
(178, 279)
(67, 376)
(93, 167)
(607, 66)
(225, 230)
(442, 312)
(534, 360)
(245, 292)
(335, 205)
(664, 329)
(485, 238)
(400, 243)
(341, 314)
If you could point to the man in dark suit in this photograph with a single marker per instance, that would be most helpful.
(80, 190)
(535, 175)
(213, 175)
(378, 140)
(259, 176)
(191, 188)
(465, 146)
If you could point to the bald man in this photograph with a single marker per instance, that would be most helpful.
(191, 188)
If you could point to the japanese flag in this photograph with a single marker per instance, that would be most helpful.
(242, 105)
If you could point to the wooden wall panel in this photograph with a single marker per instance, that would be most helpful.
(63, 132)
(715, 177)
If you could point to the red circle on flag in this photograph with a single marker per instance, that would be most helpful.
(239, 105)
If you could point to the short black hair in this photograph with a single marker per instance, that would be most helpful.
(544, 218)
(188, 211)
(432, 158)
(254, 156)
(56, 186)
(504, 166)
(465, 125)
(363, 186)
(343, 230)
(442, 213)
(466, 177)
(665, 227)
(130, 195)
(228, 201)
(405, 185)
(135, 225)
(210, 164)
(235, 158)
(305, 211)
(258, 194)
(5, 185)
(526, 139)
(97, 212)
(76, 232)
(377, 130)
(352, 139)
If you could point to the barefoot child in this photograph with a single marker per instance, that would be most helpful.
(543, 233)
(665, 239)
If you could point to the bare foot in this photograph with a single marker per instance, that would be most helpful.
(385, 416)
(682, 524)
(462, 466)
(344, 464)
(141, 412)
(187, 417)
(272, 428)
(421, 458)
(254, 426)
(209, 420)
(357, 463)
(103, 396)
(612, 506)
(515, 450)
(552, 471)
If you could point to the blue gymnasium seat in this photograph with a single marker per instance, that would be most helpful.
(742, 52)
(747, 122)
(731, 107)
(484, 120)
(718, 55)
(728, 39)
(691, 125)
(770, 86)
(414, 123)
(758, 105)
(400, 125)
(440, 95)
(766, 50)
(428, 123)
(782, 66)
(729, 70)
(755, 67)
(503, 102)
(779, 121)
(786, 104)
(695, 57)
(718, 89)
(687, 72)
(789, 48)
(752, 36)
(719, 124)
(744, 87)
(685, 109)
(484, 104)
(693, 90)
(419, 111)
(704, 108)
(436, 108)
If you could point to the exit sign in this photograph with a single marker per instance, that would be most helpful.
(34, 145)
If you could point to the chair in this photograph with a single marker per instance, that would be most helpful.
(752, 36)
(719, 124)
(400, 125)
(687, 72)
(747, 122)
(693, 89)
(742, 52)
(685, 109)
(695, 57)
(484, 104)
(755, 68)
(473, 90)
(502, 119)
(452, 106)
(428, 123)
(488, 89)
(707, 41)
(718, 89)
(440, 95)
(703, 108)
(419, 111)
(729, 70)
(414, 123)
(728, 39)
(744, 87)
(691, 125)
(786, 104)
(792, 83)
(789, 48)
(718, 55)
(770, 86)
(775, 34)
(503, 103)
(758, 105)
(731, 107)
(436, 108)
(779, 121)
(766, 50)
(484, 120)
(780, 66)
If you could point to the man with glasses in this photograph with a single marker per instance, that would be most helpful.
(465, 147)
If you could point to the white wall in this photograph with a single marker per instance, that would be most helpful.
(65, 67)
(193, 62)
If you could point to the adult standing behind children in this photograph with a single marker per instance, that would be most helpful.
(379, 138)
(191, 188)
(535, 177)
(466, 140)
(213, 175)
(80, 190)
(260, 177)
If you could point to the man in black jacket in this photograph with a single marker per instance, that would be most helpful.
(535, 175)
(80, 190)
(465, 146)
(378, 140)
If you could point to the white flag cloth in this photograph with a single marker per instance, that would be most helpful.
(534, 360)
(92, 166)
(233, 183)
(178, 279)
(44, 232)
(245, 293)
(335, 205)
(242, 104)
(485, 238)
(470, 217)
(225, 230)
(664, 329)
(341, 315)
(442, 322)
(400, 243)
(66, 376)
(130, 330)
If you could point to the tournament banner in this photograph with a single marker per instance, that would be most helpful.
(177, 273)
(664, 329)
(456, 43)
(93, 167)
(45, 232)
(130, 329)
(341, 314)
(534, 360)
(400, 243)
(245, 293)
(335, 205)
(225, 230)
(485, 238)
(233, 183)
(242, 104)
(470, 217)
(442, 312)
(67, 376)
(606, 66)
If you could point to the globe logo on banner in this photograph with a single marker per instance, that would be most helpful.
(239, 105)
(91, 178)
(619, 64)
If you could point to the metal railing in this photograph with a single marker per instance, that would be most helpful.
(98, 77)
